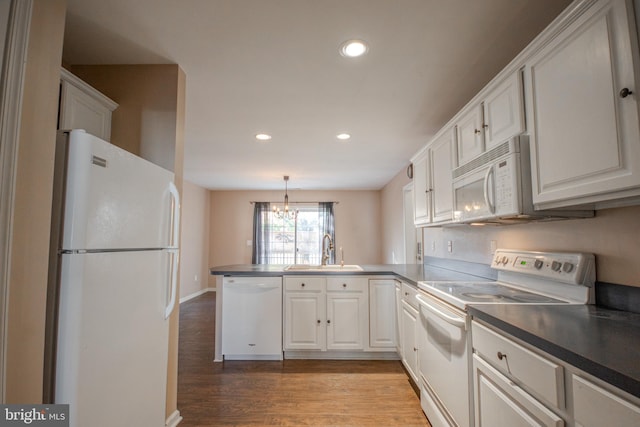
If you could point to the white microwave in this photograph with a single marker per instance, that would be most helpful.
(495, 187)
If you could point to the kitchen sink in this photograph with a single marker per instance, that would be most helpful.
(328, 267)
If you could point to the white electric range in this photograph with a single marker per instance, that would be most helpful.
(444, 336)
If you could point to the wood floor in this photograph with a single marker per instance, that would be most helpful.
(288, 393)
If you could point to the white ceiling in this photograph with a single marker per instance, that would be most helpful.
(273, 66)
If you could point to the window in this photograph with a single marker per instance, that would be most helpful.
(292, 241)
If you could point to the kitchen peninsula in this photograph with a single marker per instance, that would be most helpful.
(570, 336)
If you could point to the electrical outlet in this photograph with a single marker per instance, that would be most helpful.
(450, 246)
(195, 278)
(249, 242)
(493, 245)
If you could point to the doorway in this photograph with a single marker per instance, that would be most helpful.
(412, 235)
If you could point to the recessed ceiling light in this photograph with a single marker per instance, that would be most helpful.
(343, 136)
(353, 48)
(263, 137)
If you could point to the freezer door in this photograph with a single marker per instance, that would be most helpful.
(112, 342)
(114, 199)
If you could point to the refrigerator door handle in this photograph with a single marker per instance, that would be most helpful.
(175, 253)
(174, 238)
(174, 249)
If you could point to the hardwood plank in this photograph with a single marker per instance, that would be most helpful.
(286, 393)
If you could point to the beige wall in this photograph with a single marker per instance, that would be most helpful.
(357, 216)
(194, 254)
(32, 214)
(392, 206)
(145, 121)
(612, 235)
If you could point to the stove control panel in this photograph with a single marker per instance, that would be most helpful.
(567, 267)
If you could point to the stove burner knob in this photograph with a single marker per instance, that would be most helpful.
(555, 265)
(504, 260)
(538, 264)
(567, 267)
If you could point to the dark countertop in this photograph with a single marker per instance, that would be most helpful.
(410, 273)
(602, 342)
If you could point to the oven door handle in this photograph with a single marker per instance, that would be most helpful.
(455, 321)
(492, 208)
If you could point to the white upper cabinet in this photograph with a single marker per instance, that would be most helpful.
(432, 181)
(470, 135)
(441, 154)
(83, 107)
(497, 115)
(421, 186)
(582, 109)
(503, 112)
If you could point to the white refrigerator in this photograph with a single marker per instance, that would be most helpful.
(112, 284)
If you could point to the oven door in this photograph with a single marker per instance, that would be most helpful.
(443, 349)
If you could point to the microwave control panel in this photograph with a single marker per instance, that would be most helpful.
(505, 185)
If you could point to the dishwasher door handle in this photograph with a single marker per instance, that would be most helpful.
(452, 320)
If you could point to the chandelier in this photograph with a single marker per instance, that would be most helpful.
(285, 213)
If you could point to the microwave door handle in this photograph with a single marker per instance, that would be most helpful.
(492, 208)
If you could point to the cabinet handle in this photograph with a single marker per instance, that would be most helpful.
(328, 321)
(415, 349)
(302, 285)
(486, 126)
(319, 321)
(477, 131)
(344, 285)
(501, 355)
(625, 92)
(406, 294)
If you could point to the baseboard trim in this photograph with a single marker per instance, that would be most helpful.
(340, 355)
(174, 419)
(196, 294)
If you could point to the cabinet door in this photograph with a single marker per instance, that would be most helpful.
(409, 342)
(594, 406)
(503, 112)
(421, 189)
(399, 318)
(382, 313)
(305, 321)
(441, 161)
(501, 403)
(83, 107)
(584, 130)
(469, 135)
(345, 312)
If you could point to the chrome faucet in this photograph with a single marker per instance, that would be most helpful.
(326, 249)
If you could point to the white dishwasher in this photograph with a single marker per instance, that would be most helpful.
(252, 318)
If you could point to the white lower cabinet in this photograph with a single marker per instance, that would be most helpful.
(325, 313)
(305, 313)
(347, 314)
(398, 301)
(595, 405)
(500, 402)
(382, 314)
(516, 384)
(409, 340)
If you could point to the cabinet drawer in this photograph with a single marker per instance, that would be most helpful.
(409, 295)
(312, 284)
(349, 284)
(595, 406)
(528, 369)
